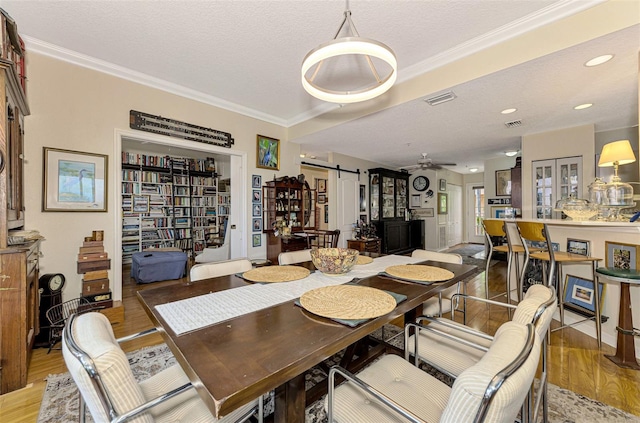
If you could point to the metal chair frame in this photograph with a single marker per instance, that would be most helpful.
(59, 313)
(322, 239)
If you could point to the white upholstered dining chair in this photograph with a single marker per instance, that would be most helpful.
(452, 347)
(293, 257)
(442, 304)
(393, 390)
(219, 268)
(107, 386)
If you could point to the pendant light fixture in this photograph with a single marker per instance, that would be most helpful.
(352, 44)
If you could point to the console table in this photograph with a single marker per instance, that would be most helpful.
(371, 245)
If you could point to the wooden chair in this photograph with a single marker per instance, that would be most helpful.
(107, 386)
(393, 390)
(442, 304)
(538, 233)
(322, 239)
(219, 268)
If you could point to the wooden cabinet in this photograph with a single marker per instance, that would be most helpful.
(287, 206)
(365, 245)
(18, 313)
(388, 193)
(399, 236)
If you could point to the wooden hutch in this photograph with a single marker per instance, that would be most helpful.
(19, 263)
(288, 206)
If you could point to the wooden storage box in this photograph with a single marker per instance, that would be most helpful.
(88, 266)
(95, 287)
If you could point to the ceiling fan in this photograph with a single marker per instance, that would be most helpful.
(425, 162)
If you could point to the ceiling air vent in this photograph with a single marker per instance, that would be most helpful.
(440, 98)
(513, 124)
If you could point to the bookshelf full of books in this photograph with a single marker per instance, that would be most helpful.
(167, 202)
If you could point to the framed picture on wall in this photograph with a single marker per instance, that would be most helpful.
(256, 181)
(442, 203)
(363, 199)
(622, 256)
(503, 182)
(443, 185)
(256, 224)
(415, 201)
(326, 213)
(578, 246)
(429, 212)
(267, 153)
(321, 185)
(257, 240)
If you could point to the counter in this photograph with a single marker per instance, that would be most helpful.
(597, 233)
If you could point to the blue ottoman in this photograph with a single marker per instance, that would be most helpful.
(153, 266)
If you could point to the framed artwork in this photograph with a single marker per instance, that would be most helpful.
(321, 185)
(322, 198)
(580, 292)
(622, 256)
(326, 213)
(363, 218)
(442, 203)
(257, 240)
(256, 181)
(415, 200)
(443, 185)
(578, 246)
(257, 196)
(498, 212)
(363, 198)
(257, 210)
(503, 182)
(74, 181)
(256, 224)
(268, 153)
(140, 204)
(429, 212)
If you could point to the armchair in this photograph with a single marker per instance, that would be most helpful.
(220, 253)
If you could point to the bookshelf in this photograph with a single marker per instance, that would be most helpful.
(169, 202)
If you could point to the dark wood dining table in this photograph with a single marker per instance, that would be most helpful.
(233, 362)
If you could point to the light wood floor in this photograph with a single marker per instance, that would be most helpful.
(575, 361)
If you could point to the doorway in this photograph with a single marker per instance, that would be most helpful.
(455, 217)
(475, 213)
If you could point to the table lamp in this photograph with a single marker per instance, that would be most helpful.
(619, 194)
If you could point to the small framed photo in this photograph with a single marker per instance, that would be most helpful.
(443, 185)
(256, 181)
(442, 203)
(326, 213)
(257, 196)
(140, 204)
(503, 182)
(578, 246)
(498, 212)
(322, 198)
(268, 153)
(580, 292)
(363, 218)
(74, 181)
(256, 223)
(257, 240)
(363, 199)
(257, 210)
(415, 201)
(622, 256)
(321, 185)
(429, 212)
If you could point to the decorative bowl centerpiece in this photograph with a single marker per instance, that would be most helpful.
(334, 261)
(577, 208)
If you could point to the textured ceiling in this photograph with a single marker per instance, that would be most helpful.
(246, 56)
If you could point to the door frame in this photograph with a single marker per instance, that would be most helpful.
(469, 213)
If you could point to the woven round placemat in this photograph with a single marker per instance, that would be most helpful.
(348, 302)
(420, 272)
(364, 260)
(274, 274)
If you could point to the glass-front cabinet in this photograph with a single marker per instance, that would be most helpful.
(388, 192)
(554, 180)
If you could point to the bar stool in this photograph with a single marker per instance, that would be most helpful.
(538, 232)
(625, 348)
(495, 228)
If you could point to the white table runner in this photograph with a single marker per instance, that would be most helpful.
(205, 310)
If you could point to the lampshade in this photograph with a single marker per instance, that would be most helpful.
(350, 45)
(616, 153)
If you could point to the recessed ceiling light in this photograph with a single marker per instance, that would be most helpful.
(583, 106)
(511, 153)
(302, 155)
(473, 169)
(312, 157)
(599, 60)
(507, 111)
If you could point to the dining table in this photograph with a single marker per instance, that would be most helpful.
(232, 362)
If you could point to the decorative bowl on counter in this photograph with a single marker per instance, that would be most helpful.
(334, 261)
(577, 208)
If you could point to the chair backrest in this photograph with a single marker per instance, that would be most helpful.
(219, 268)
(493, 227)
(293, 257)
(100, 368)
(436, 256)
(537, 307)
(322, 239)
(490, 390)
(59, 313)
(532, 231)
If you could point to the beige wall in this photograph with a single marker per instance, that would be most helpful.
(80, 109)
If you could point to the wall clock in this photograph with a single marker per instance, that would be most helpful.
(421, 183)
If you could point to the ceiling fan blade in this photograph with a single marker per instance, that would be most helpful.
(444, 164)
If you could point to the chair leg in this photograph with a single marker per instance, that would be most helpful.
(508, 279)
(486, 272)
(596, 286)
(560, 290)
(82, 406)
